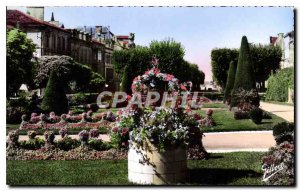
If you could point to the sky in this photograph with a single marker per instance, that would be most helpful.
(198, 29)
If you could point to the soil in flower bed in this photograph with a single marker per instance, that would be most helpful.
(238, 168)
(79, 153)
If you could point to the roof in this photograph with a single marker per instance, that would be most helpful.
(97, 42)
(14, 16)
(123, 36)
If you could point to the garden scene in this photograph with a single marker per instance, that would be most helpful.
(85, 106)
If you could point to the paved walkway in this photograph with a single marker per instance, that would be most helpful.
(284, 111)
(222, 142)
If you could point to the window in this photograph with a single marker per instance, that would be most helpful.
(99, 55)
(59, 43)
(54, 41)
(63, 43)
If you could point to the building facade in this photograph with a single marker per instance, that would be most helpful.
(92, 46)
(286, 43)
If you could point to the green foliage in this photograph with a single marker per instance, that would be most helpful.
(283, 132)
(278, 85)
(99, 145)
(170, 55)
(32, 144)
(55, 98)
(266, 60)
(19, 67)
(230, 81)
(244, 77)
(220, 61)
(97, 82)
(67, 143)
(126, 83)
(256, 115)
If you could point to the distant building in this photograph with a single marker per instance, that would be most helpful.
(92, 46)
(286, 43)
(210, 86)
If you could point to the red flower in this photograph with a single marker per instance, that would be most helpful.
(183, 87)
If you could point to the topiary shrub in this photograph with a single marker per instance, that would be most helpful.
(99, 145)
(32, 144)
(241, 115)
(55, 98)
(230, 81)
(256, 115)
(244, 78)
(283, 132)
(67, 143)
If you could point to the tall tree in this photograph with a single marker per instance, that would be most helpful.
(19, 65)
(244, 77)
(220, 60)
(230, 81)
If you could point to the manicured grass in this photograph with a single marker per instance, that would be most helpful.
(225, 122)
(71, 131)
(214, 105)
(239, 168)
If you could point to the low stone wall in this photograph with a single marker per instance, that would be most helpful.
(153, 167)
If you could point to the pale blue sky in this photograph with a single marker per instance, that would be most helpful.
(199, 29)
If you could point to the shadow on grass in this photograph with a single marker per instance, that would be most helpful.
(217, 176)
(265, 122)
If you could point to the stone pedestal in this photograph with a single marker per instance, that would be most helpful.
(148, 166)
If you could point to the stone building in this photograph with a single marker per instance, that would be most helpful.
(92, 46)
(286, 43)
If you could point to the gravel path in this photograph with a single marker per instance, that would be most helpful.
(221, 142)
(284, 111)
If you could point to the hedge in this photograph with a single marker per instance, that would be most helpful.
(278, 85)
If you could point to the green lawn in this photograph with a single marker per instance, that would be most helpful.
(214, 105)
(240, 168)
(225, 122)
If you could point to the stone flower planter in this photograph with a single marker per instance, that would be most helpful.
(169, 167)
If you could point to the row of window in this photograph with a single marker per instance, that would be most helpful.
(56, 42)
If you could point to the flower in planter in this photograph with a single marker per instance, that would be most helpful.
(94, 133)
(31, 134)
(83, 136)
(63, 132)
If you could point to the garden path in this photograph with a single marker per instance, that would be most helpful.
(222, 141)
(284, 111)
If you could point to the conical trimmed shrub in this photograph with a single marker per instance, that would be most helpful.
(244, 77)
(230, 81)
(55, 98)
(126, 83)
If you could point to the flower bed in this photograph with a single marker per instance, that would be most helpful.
(85, 120)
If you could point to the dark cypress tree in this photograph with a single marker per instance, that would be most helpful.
(55, 98)
(126, 84)
(230, 81)
(244, 77)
